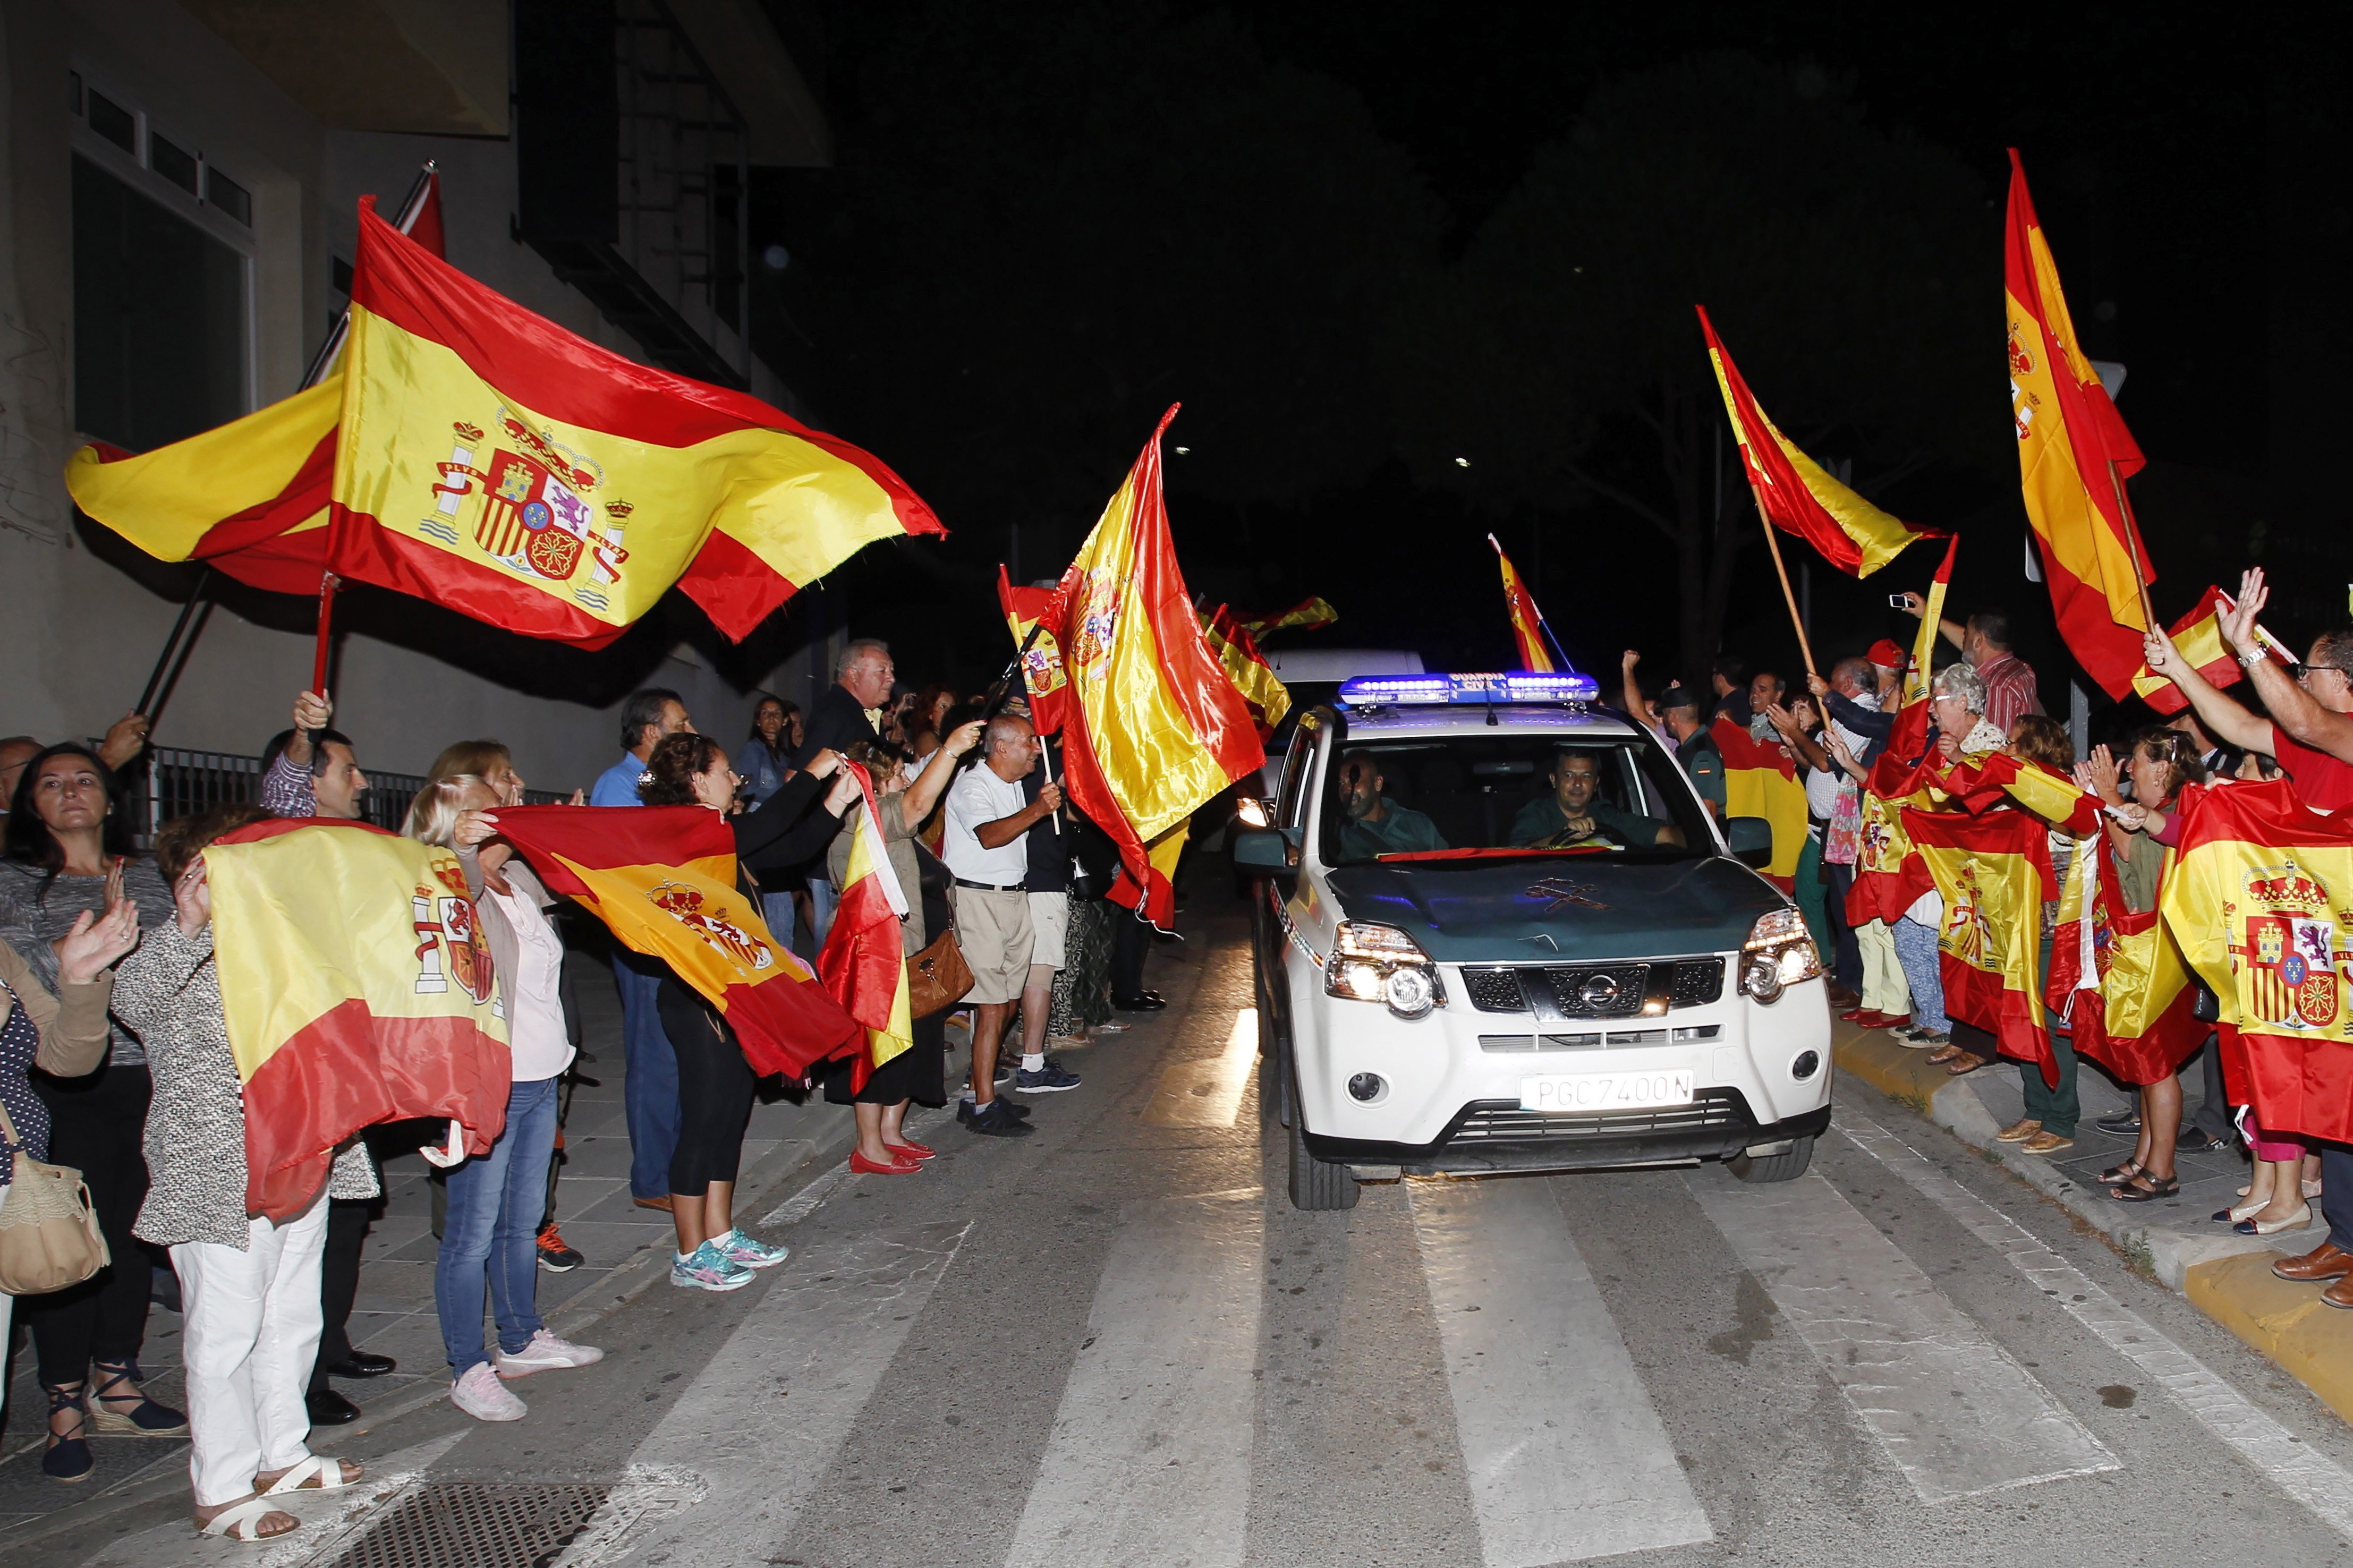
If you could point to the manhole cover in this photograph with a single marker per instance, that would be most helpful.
(472, 1524)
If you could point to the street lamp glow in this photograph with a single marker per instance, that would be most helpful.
(1461, 462)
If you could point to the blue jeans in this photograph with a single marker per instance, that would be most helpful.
(777, 908)
(649, 1075)
(822, 898)
(1916, 950)
(490, 1229)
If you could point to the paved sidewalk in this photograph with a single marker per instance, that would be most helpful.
(2175, 1240)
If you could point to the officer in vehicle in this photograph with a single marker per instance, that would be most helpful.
(1572, 814)
(1376, 824)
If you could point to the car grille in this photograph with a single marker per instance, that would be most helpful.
(1593, 990)
(1501, 1122)
(1596, 1039)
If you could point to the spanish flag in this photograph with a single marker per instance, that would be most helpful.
(1760, 780)
(1307, 615)
(1156, 729)
(2073, 457)
(1889, 875)
(2197, 636)
(1041, 656)
(864, 963)
(1993, 872)
(1996, 778)
(1527, 621)
(358, 988)
(1795, 493)
(1237, 652)
(2118, 979)
(2260, 899)
(663, 881)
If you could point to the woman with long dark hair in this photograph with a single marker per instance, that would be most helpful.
(66, 853)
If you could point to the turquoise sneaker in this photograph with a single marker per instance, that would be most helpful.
(708, 1268)
(742, 1250)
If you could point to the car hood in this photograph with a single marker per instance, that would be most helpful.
(1534, 910)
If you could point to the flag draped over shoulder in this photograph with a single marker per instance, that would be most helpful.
(2261, 900)
(494, 463)
(1888, 875)
(1993, 872)
(1304, 617)
(358, 988)
(662, 879)
(1759, 779)
(1795, 494)
(864, 963)
(1237, 653)
(2118, 979)
(1527, 621)
(1975, 783)
(2197, 636)
(1041, 656)
(2074, 456)
(1156, 729)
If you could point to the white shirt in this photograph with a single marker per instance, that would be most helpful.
(1823, 784)
(979, 796)
(534, 1001)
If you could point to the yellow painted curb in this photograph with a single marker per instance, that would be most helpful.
(1876, 1057)
(2288, 1322)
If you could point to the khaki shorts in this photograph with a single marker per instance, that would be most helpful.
(993, 929)
(1049, 926)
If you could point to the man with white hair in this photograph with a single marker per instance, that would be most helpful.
(988, 818)
(848, 711)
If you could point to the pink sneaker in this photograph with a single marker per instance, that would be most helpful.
(481, 1395)
(545, 1353)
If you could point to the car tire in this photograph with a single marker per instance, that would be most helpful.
(1785, 1166)
(1317, 1186)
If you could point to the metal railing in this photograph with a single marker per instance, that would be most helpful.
(167, 782)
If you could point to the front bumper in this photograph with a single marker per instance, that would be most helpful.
(1496, 1135)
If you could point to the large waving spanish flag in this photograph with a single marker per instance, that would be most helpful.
(1156, 729)
(1795, 494)
(2198, 637)
(1993, 872)
(1237, 652)
(2117, 978)
(2073, 457)
(1527, 621)
(2261, 900)
(863, 962)
(1760, 780)
(357, 989)
(662, 879)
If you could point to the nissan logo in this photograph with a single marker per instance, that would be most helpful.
(1599, 992)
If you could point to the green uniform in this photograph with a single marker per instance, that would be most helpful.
(1400, 830)
(1704, 763)
(1542, 818)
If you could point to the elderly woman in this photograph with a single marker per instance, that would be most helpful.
(66, 857)
(1957, 703)
(248, 1287)
(495, 1200)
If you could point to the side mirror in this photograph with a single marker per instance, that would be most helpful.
(1750, 839)
(1266, 850)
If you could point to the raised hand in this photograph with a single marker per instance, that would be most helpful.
(97, 941)
(473, 827)
(192, 898)
(824, 763)
(124, 740)
(1912, 605)
(1629, 659)
(1817, 685)
(2157, 652)
(964, 737)
(2098, 774)
(312, 710)
(844, 788)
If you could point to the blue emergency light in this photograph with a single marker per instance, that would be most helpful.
(1509, 685)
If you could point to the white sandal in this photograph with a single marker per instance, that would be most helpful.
(328, 1473)
(239, 1522)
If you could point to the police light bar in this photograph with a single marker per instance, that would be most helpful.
(1510, 686)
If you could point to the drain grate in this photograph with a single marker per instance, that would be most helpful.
(473, 1524)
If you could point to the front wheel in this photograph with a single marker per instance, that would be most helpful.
(1785, 1166)
(1317, 1184)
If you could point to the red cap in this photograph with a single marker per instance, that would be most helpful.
(1887, 656)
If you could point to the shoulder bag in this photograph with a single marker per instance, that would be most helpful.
(48, 1237)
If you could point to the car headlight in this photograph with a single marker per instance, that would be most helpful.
(1778, 954)
(1252, 813)
(1381, 963)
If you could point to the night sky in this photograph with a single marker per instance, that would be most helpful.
(1359, 241)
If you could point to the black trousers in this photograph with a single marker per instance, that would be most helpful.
(1131, 939)
(95, 1126)
(2213, 1118)
(714, 1093)
(339, 1282)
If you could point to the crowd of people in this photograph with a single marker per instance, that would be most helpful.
(115, 1058)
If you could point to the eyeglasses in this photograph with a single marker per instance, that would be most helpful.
(2301, 670)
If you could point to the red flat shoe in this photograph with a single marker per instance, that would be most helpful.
(861, 1166)
(1857, 1015)
(1893, 1020)
(911, 1150)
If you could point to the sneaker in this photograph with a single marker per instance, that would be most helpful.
(995, 1120)
(708, 1268)
(1005, 1066)
(751, 1254)
(1048, 1079)
(554, 1256)
(545, 1353)
(967, 1105)
(481, 1395)
(2122, 1123)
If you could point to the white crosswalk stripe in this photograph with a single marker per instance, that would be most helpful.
(1954, 1411)
(1152, 1444)
(1566, 1454)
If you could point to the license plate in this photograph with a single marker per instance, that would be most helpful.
(1574, 1093)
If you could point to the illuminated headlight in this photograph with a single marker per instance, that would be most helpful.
(1252, 812)
(1381, 963)
(1778, 954)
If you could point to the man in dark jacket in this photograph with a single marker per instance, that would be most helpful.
(846, 712)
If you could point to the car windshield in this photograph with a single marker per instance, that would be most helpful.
(1486, 796)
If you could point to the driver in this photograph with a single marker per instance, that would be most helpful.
(1571, 815)
(1375, 824)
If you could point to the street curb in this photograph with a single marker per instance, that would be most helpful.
(2228, 1277)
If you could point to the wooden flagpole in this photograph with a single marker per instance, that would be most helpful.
(1773, 543)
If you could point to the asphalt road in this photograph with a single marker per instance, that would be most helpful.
(1115, 1343)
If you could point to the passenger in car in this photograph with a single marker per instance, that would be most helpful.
(1377, 825)
(1573, 812)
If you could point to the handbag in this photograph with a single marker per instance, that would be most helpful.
(48, 1237)
(937, 977)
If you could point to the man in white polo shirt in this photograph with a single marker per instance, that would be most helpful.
(988, 818)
